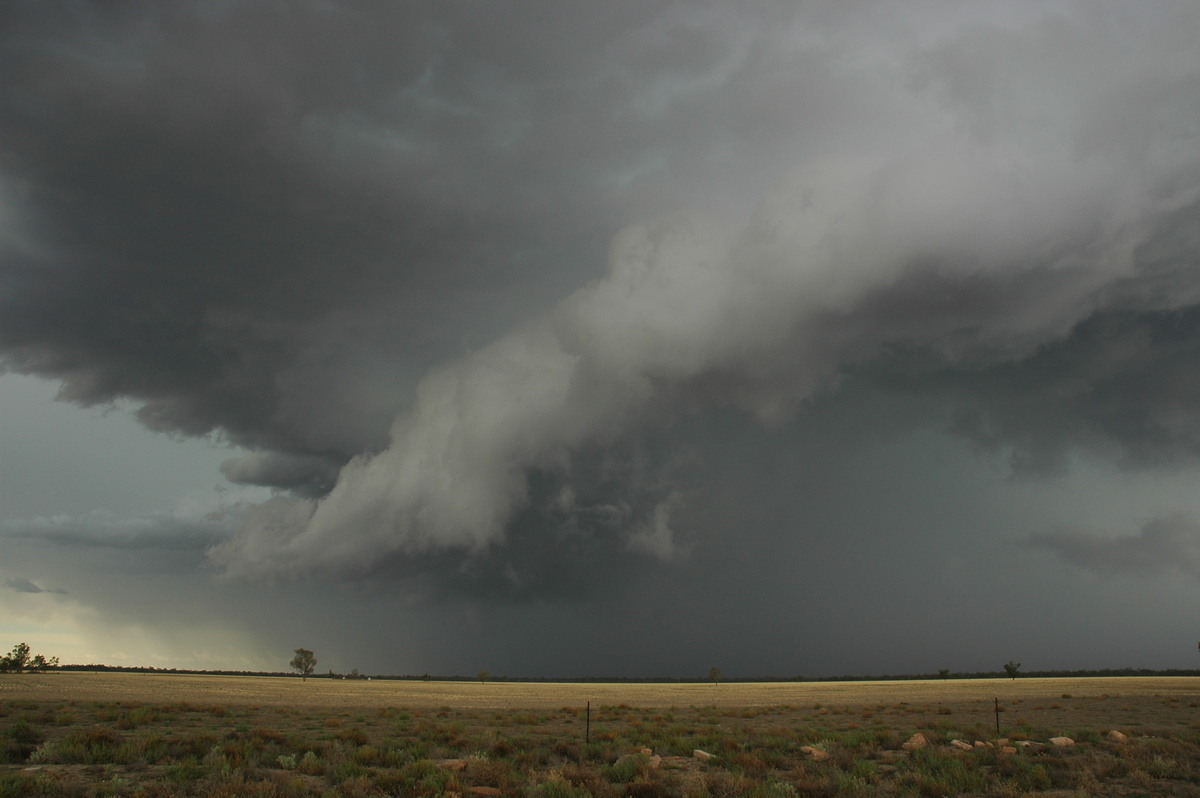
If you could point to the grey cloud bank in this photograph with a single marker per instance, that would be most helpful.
(532, 319)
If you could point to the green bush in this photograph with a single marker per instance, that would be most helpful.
(18, 741)
(628, 768)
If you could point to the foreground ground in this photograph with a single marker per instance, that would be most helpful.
(95, 734)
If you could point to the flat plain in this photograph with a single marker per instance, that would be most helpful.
(367, 693)
(70, 733)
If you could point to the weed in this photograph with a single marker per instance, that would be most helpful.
(628, 768)
(558, 787)
(18, 741)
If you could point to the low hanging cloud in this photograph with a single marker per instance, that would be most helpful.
(22, 585)
(1168, 545)
(180, 530)
(453, 286)
(692, 315)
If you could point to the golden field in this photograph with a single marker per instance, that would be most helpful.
(374, 693)
(1124, 702)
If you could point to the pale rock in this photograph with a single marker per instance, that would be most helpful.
(1116, 736)
(1007, 749)
(815, 754)
(703, 756)
(1062, 742)
(962, 745)
(918, 740)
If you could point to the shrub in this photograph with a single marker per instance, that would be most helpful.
(18, 741)
(628, 768)
(558, 787)
(775, 789)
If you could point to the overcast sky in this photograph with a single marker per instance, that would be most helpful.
(626, 338)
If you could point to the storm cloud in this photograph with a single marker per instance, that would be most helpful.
(516, 308)
(1162, 545)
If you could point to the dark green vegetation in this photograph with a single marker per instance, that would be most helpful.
(94, 749)
(22, 659)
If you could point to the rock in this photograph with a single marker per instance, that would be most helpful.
(918, 740)
(962, 745)
(1062, 742)
(1007, 749)
(1116, 736)
(703, 756)
(815, 754)
(1029, 745)
(982, 744)
(484, 791)
(645, 751)
(451, 764)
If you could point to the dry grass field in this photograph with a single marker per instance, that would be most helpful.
(363, 693)
(99, 734)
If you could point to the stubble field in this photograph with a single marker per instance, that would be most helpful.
(97, 734)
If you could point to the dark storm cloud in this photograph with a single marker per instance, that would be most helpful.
(245, 217)
(1161, 546)
(471, 284)
(1124, 384)
(304, 474)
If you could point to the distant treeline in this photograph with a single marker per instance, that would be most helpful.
(1053, 674)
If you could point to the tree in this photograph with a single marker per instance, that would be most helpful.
(1011, 668)
(304, 662)
(483, 676)
(714, 676)
(20, 659)
(17, 660)
(944, 673)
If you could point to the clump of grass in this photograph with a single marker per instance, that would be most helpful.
(628, 768)
(558, 787)
(40, 784)
(425, 778)
(18, 740)
(930, 772)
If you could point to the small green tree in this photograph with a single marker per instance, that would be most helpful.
(304, 662)
(1011, 668)
(714, 676)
